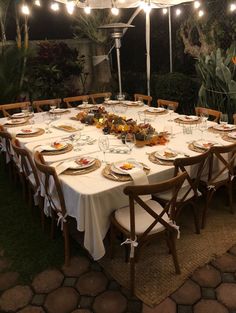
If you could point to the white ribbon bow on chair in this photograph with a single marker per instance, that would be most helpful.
(133, 244)
(61, 219)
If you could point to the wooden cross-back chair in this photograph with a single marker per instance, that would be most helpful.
(44, 105)
(145, 98)
(225, 156)
(6, 109)
(31, 178)
(234, 118)
(189, 193)
(214, 115)
(97, 98)
(57, 206)
(165, 103)
(142, 221)
(74, 101)
(7, 152)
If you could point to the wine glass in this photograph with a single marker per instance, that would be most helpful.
(53, 106)
(140, 101)
(224, 119)
(76, 141)
(130, 141)
(171, 110)
(120, 97)
(103, 144)
(202, 127)
(85, 102)
(25, 110)
(106, 99)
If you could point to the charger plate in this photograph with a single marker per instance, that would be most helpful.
(92, 168)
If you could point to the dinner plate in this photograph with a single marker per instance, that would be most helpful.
(232, 135)
(27, 131)
(53, 147)
(86, 106)
(166, 155)
(82, 163)
(125, 167)
(155, 110)
(58, 110)
(18, 115)
(132, 103)
(224, 127)
(16, 122)
(204, 144)
(188, 118)
(112, 102)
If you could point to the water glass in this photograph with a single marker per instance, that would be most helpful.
(106, 99)
(202, 127)
(224, 119)
(76, 141)
(130, 141)
(171, 110)
(103, 144)
(120, 97)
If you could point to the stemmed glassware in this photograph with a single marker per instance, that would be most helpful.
(130, 141)
(103, 144)
(76, 139)
(120, 97)
(171, 111)
(203, 126)
(224, 119)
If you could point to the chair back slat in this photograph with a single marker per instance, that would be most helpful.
(97, 98)
(213, 114)
(44, 105)
(166, 103)
(145, 98)
(74, 101)
(6, 109)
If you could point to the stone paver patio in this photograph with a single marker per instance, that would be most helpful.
(83, 287)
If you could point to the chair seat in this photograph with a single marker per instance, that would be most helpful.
(142, 218)
(168, 195)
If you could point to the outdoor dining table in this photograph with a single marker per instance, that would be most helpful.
(91, 198)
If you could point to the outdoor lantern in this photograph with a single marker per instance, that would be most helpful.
(116, 31)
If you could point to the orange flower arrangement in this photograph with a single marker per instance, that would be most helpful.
(234, 60)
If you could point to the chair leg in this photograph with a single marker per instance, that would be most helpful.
(206, 207)
(132, 275)
(112, 238)
(66, 243)
(53, 224)
(42, 215)
(196, 219)
(172, 241)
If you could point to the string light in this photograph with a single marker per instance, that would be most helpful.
(55, 6)
(25, 9)
(70, 6)
(232, 7)
(114, 11)
(38, 3)
(196, 4)
(165, 11)
(87, 9)
(178, 12)
(201, 13)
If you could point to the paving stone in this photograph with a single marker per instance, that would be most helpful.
(47, 281)
(96, 267)
(38, 299)
(207, 276)
(228, 278)
(32, 309)
(208, 293)
(82, 311)
(78, 265)
(8, 280)
(15, 298)
(85, 302)
(113, 285)
(226, 263)
(233, 250)
(185, 309)
(166, 306)
(135, 306)
(110, 301)
(62, 300)
(4, 264)
(187, 294)
(91, 283)
(226, 294)
(69, 281)
(209, 306)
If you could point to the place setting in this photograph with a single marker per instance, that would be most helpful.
(223, 127)
(156, 111)
(201, 145)
(67, 126)
(54, 148)
(16, 122)
(28, 132)
(77, 166)
(188, 119)
(55, 110)
(126, 170)
(166, 156)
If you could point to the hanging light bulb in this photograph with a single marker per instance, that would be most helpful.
(232, 7)
(165, 11)
(25, 9)
(87, 8)
(201, 13)
(70, 6)
(178, 12)
(147, 7)
(196, 4)
(142, 4)
(38, 3)
(55, 6)
(114, 11)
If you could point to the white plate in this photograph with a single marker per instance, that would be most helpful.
(162, 155)
(75, 166)
(86, 106)
(112, 102)
(204, 144)
(16, 122)
(26, 131)
(232, 135)
(155, 110)
(52, 148)
(58, 110)
(224, 127)
(116, 167)
(18, 115)
(132, 103)
(188, 118)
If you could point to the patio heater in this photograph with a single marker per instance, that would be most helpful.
(117, 31)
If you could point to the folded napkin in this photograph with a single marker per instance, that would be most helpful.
(45, 147)
(60, 167)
